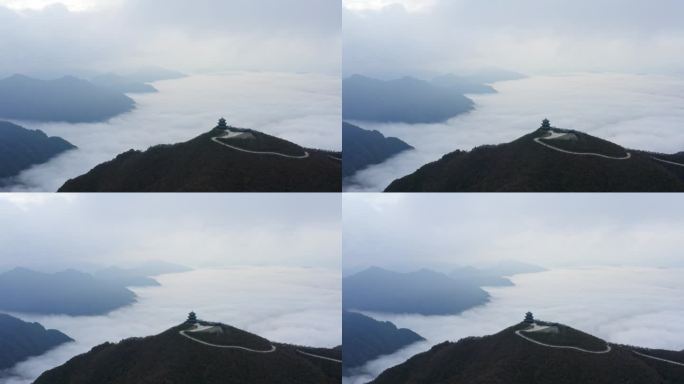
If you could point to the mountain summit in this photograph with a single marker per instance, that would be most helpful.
(548, 160)
(199, 352)
(225, 159)
(534, 352)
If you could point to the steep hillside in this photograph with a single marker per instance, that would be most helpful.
(221, 160)
(363, 148)
(20, 148)
(20, 340)
(208, 353)
(546, 160)
(365, 338)
(508, 358)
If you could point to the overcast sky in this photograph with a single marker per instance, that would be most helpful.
(46, 36)
(199, 230)
(397, 37)
(408, 231)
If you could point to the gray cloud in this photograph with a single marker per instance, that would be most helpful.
(636, 111)
(208, 35)
(298, 305)
(206, 230)
(635, 306)
(533, 36)
(303, 108)
(409, 231)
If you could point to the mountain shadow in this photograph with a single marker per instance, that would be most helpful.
(66, 99)
(365, 339)
(566, 356)
(548, 160)
(225, 159)
(200, 352)
(424, 292)
(363, 148)
(20, 340)
(21, 148)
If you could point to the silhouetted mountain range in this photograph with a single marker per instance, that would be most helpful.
(69, 292)
(139, 276)
(20, 340)
(407, 100)
(540, 162)
(20, 148)
(424, 292)
(365, 339)
(246, 161)
(508, 358)
(363, 148)
(171, 357)
(66, 99)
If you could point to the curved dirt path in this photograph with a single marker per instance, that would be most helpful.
(319, 356)
(667, 161)
(202, 328)
(537, 328)
(658, 358)
(215, 139)
(556, 134)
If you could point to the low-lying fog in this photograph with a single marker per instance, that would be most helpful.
(284, 304)
(303, 108)
(636, 111)
(635, 306)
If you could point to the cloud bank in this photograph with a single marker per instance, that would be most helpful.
(634, 306)
(291, 305)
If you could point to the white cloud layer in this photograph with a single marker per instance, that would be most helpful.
(636, 111)
(296, 305)
(634, 306)
(303, 108)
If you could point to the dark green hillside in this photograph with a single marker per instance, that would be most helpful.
(174, 359)
(524, 165)
(205, 165)
(365, 339)
(20, 340)
(506, 358)
(21, 148)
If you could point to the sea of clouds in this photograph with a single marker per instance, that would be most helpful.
(302, 108)
(283, 304)
(635, 111)
(627, 305)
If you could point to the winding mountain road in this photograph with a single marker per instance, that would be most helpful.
(537, 328)
(204, 328)
(230, 134)
(659, 359)
(319, 356)
(556, 135)
(667, 161)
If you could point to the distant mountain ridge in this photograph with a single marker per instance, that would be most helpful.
(548, 160)
(363, 148)
(506, 357)
(406, 100)
(21, 148)
(221, 160)
(172, 357)
(424, 292)
(365, 339)
(20, 340)
(66, 99)
(68, 292)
